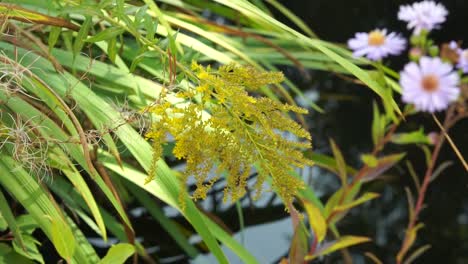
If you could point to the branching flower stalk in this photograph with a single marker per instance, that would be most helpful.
(238, 132)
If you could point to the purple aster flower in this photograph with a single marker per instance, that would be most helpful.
(430, 85)
(423, 15)
(376, 44)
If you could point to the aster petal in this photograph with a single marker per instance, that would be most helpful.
(433, 100)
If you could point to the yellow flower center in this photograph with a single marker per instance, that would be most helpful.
(430, 83)
(376, 38)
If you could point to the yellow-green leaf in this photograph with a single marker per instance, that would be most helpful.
(118, 254)
(342, 242)
(316, 220)
(63, 239)
(364, 198)
(22, 14)
(409, 241)
(369, 160)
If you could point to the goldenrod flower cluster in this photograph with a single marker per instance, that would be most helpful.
(221, 128)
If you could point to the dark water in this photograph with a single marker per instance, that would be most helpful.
(348, 121)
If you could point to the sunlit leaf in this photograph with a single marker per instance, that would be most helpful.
(369, 160)
(63, 239)
(415, 137)
(364, 198)
(25, 15)
(118, 254)
(316, 220)
(342, 242)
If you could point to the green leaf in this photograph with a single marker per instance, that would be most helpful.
(328, 163)
(158, 214)
(369, 160)
(415, 137)
(63, 239)
(377, 129)
(3, 223)
(37, 203)
(82, 34)
(53, 37)
(6, 216)
(329, 212)
(29, 248)
(118, 254)
(340, 163)
(8, 255)
(106, 34)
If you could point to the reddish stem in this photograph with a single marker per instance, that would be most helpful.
(426, 181)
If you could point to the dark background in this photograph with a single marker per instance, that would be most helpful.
(348, 122)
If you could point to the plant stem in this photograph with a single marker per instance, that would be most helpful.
(422, 191)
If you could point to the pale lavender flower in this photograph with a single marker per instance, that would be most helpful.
(430, 85)
(423, 15)
(463, 60)
(376, 44)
